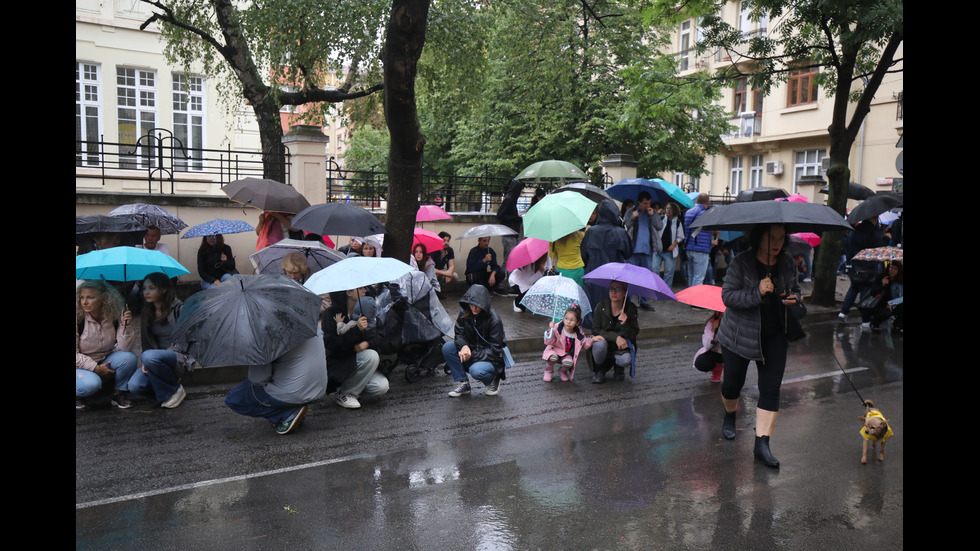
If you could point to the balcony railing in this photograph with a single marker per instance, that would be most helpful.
(748, 124)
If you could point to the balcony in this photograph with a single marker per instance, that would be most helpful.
(748, 125)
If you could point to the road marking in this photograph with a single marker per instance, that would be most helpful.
(822, 375)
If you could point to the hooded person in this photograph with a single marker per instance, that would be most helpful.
(507, 215)
(477, 349)
(604, 242)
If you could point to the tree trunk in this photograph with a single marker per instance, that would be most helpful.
(403, 47)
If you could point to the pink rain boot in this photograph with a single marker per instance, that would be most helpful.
(563, 373)
(549, 370)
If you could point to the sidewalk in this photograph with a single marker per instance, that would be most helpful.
(525, 330)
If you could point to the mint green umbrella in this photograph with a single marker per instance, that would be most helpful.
(558, 215)
(552, 171)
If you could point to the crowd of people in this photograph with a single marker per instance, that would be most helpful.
(760, 291)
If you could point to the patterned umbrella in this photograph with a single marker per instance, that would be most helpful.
(552, 295)
(217, 226)
(880, 254)
(317, 254)
(151, 215)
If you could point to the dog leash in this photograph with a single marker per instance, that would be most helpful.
(848, 377)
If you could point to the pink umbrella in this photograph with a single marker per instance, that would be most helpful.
(702, 296)
(428, 213)
(812, 239)
(526, 252)
(797, 198)
(431, 240)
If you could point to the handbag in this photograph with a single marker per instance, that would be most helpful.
(508, 358)
(869, 302)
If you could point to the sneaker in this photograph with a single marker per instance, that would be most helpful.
(463, 387)
(175, 399)
(80, 403)
(348, 401)
(292, 421)
(121, 401)
(842, 316)
(716, 374)
(517, 309)
(494, 387)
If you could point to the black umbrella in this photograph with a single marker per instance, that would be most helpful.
(318, 255)
(869, 208)
(337, 219)
(854, 191)
(797, 217)
(266, 194)
(595, 193)
(151, 215)
(247, 320)
(87, 228)
(761, 194)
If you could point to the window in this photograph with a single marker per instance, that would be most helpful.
(807, 163)
(756, 168)
(188, 106)
(684, 44)
(136, 100)
(802, 88)
(740, 95)
(744, 22)
(735, 178)
(88, 118)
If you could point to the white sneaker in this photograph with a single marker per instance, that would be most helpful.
(175, 399)
(348, 401)
(842, 316)
(517, 309)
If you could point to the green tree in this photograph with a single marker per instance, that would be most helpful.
(853, 44)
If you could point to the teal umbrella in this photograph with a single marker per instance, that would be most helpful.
(551, 171)
(125, 264)
(558, 215)
(676, 194)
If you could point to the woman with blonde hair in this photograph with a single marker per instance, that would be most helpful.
(296, 266)
(104, 341)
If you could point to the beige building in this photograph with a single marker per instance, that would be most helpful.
(781, 138)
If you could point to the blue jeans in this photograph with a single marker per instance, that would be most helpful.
(644, 261)
(252, 400)
(669, 263)
(206, 285)
(697, 267)
(481, 371)
(88, 383)
(160, 379)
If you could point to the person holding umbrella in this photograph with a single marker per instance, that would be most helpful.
(614, 330)
(482, 267)
(763, 308)
(104, 341)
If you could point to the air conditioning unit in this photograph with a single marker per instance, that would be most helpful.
(774, 167)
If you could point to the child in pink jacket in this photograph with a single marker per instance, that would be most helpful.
(563, 345)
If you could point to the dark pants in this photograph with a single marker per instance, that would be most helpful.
(770, 373)
(707, 361)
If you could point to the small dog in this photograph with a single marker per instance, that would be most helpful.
(875, 430)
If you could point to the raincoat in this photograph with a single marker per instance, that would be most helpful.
(483, 333)
(555, 345)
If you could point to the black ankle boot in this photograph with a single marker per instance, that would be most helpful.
(598, 377)
(762, 452)
(619, 373)
(728, 426)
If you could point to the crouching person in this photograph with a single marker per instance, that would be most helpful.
(478, 347)
(280, 392)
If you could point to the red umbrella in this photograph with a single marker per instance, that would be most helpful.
(431, 240)
(702, 296)
(526, 252)
(427, 213)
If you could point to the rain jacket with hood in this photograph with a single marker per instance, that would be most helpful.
(483, 333)
(507, 213)
(606, 241)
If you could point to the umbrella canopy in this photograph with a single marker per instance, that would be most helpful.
(872, 207)
(338, 219)
(676, 194)
(430, 239)
(125, 264)
(797, 217)
(87, 227)
(810, 237)
(427, 213)
(266, 194)
(854, 191)
(558, 215)
(594, 193)
(552, 295)
(317, 254)
(796, 198)
(217, 226)
(527, 251)
(486, 230)
(356, 272)
(703, 296)
(546, 172)
(151, 215)
(640, 281)
(880, 254)
(761, 194)
(798, 246)
(247, 320)
(630, 188)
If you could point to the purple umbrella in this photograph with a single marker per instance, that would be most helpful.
(640, 281)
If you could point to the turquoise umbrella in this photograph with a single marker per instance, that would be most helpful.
(558, 215)
(125, 264)
(675, 193)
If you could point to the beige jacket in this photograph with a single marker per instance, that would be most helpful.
(98, 340)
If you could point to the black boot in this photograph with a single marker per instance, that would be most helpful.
(619, 373)
(598, 377)
(728, 426)
(762, 452)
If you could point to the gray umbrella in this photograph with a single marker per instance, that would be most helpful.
(595, 193)
(89, 227)
(486, 230)
(318, 255)
(797, 217)
(854, 191)
(247, 320)
(869, 208)
(151, 215)
(268, 195)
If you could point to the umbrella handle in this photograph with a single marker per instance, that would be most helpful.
(548, 332)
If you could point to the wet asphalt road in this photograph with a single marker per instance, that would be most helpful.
(633, 465)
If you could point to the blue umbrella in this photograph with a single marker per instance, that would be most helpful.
(356, 272)
(552, 295)
(630, 188)
(217, 226)
(640, 281)
(125, 264)
(675, 193)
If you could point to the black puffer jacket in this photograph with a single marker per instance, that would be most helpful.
(483, 333)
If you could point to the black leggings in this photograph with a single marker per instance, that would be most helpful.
(770, 373)
(707, 361)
